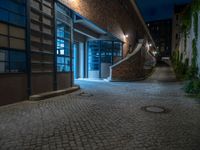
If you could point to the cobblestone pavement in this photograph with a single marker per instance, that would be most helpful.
(107, 116)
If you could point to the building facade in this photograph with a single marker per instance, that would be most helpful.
(46, 44)
(188, 45)
(161, 32)
(176, 26)
(186, 42)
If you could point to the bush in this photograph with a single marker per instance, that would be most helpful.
(192, 72)
(179, 67)
(192, 87)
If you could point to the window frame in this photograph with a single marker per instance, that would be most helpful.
(11, 12)
(60, 9)
(9, 61)
(9, 37)
(102, 47)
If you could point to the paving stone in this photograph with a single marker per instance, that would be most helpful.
(110, 119)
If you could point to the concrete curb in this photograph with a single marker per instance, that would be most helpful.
(46, 95)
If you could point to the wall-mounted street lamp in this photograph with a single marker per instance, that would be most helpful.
(155, 53)
(148, 45)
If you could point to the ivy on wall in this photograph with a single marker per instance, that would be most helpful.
(186, 25)
(195, 24)
(182, 69)
(195, 7)
(191, 14)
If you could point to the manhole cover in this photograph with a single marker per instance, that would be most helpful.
(155, 109)
(84, 94)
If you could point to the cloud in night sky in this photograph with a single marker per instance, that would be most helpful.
(158, 9)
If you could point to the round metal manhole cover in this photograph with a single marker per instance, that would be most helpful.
(84, 94)
(155, 109)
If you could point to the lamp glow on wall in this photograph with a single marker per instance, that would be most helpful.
(148, 45)
(126, 35)
(155, 53)
(68, 1)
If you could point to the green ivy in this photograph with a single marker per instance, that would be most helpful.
(194, 52)
(186, 20)
(195, 24)
(190, 11)
(185, 41)
(193, 13)
(193, 85)
(180, 68)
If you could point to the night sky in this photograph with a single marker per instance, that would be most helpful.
(158, 9)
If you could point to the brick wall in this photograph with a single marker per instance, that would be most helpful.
(13, 88)
(120, 18)
(115, 16)
(133, 68)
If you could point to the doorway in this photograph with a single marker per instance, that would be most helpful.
(101, 55)
(78, 60)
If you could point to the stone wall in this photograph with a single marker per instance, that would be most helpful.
(128, 70)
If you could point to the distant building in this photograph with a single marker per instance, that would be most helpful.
(176, 26)
(161, 32)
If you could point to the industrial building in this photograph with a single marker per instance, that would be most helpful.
(46, 44)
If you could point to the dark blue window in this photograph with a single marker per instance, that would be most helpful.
(93, 55)
(12, 61)
(63, 64)
(17, 61)
(4, 15)
(108, 52)
(13, 11)
(63, 38)
(16, 19)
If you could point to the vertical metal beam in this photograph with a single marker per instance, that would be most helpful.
(84, 59)
(100, 46)
(71, 49)
(28, 48)
(55, 51)
(112, 58)
(122, 53)
(87, 56)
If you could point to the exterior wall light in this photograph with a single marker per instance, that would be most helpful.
(147, 46)
(155, 53)
(126, 36)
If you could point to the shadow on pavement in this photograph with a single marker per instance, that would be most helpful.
(163, 73)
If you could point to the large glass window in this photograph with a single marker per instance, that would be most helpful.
(13, 11)
(106, 51)
(102, 54)
(93, 56)
(12, 37)
(63, 64)
(12, 61)
(63, 39)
